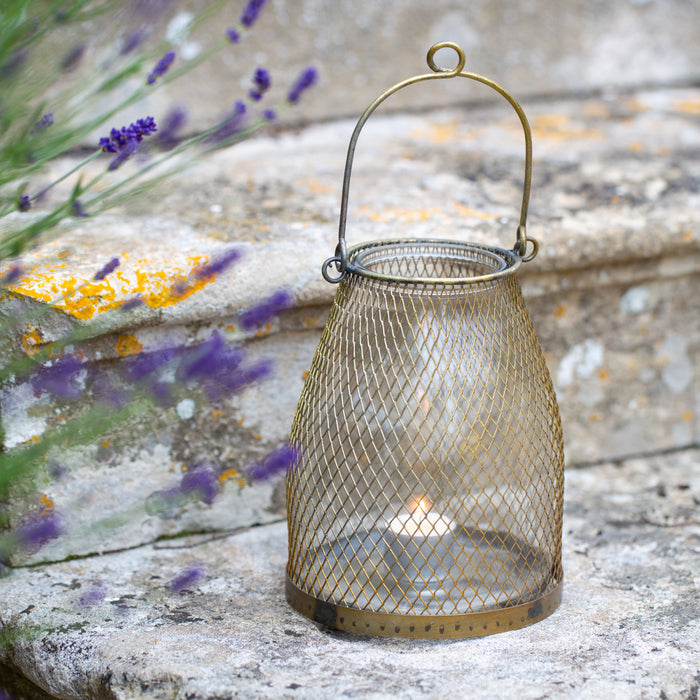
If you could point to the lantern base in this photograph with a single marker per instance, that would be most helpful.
(476, 624)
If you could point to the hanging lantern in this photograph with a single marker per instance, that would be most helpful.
(427, 498)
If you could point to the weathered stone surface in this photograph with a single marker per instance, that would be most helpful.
(628, 625)
(615, 207)
(362, 48)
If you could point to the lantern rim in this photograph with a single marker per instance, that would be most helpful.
(505, 262)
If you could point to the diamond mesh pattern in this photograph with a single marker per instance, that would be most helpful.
(431, 471)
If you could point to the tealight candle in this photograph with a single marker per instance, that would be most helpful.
(420, 542)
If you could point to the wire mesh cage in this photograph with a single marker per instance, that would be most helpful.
(427, 499)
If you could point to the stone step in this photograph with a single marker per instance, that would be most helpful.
(613, 291)
(628, 626)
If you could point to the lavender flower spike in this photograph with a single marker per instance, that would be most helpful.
(262, 83)
(251, 12)
(59, 377)
(24, 203)
(281, 460)
(201, 480)
(93, 596)
(266, 310)
(126, 140)
(218, 265)
(161, 67)
(188, 579)
(78, 209)
(43, 123)
(307, 78)
(233, 35)
(39, 529)
(12, 275)
(110, 267)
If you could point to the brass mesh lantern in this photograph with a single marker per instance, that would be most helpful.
(427, 497)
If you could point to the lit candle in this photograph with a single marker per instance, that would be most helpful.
(420, 541)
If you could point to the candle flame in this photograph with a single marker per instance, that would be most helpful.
(419, 506)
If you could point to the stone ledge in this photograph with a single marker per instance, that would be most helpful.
(615, 206)
(627, 627)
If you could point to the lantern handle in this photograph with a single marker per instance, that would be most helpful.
(340, 259)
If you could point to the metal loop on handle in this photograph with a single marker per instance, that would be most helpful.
(340, 259)
(461, 58)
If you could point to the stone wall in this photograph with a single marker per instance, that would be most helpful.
(360, 48)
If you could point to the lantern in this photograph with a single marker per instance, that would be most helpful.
(427, 497)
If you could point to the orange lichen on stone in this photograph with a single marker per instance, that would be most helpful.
(128, 344)
(84, 298)
(403, 214)
(559, 127)
(688, 106)
(228, 474)
(440, 132)
(46, 501)
(317, 187)
(466, 211)
(560, 311)
(31, 342)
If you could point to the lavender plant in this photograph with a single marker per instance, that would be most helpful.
(38, 125)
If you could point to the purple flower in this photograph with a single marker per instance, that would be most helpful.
(110, 267)
(13, 274)
(93, 596)
(161, 67)
(132, 303)
(218, 265)
(78, 209)
(270, 115)
(209, 359)
(59, 377)
(125, 141)
(132, 41)
(266, 310)
(231, 125)
(43, 123)
(119, 139)
(262, 83)
(124, 155)
(57, 471)
(39, 529)
(13, 63)
(138, 367)
(281, 460)
(162, 393)
(233, 35)
(107, 392)
(307, 78)
(201, 480)
(231, 382)
(24, 203)
(170, 126)
(73, 57)
(188, 579)
(251, 12)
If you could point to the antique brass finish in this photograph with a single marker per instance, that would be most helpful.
(427, 500)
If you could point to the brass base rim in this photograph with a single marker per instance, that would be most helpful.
(477, 624)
